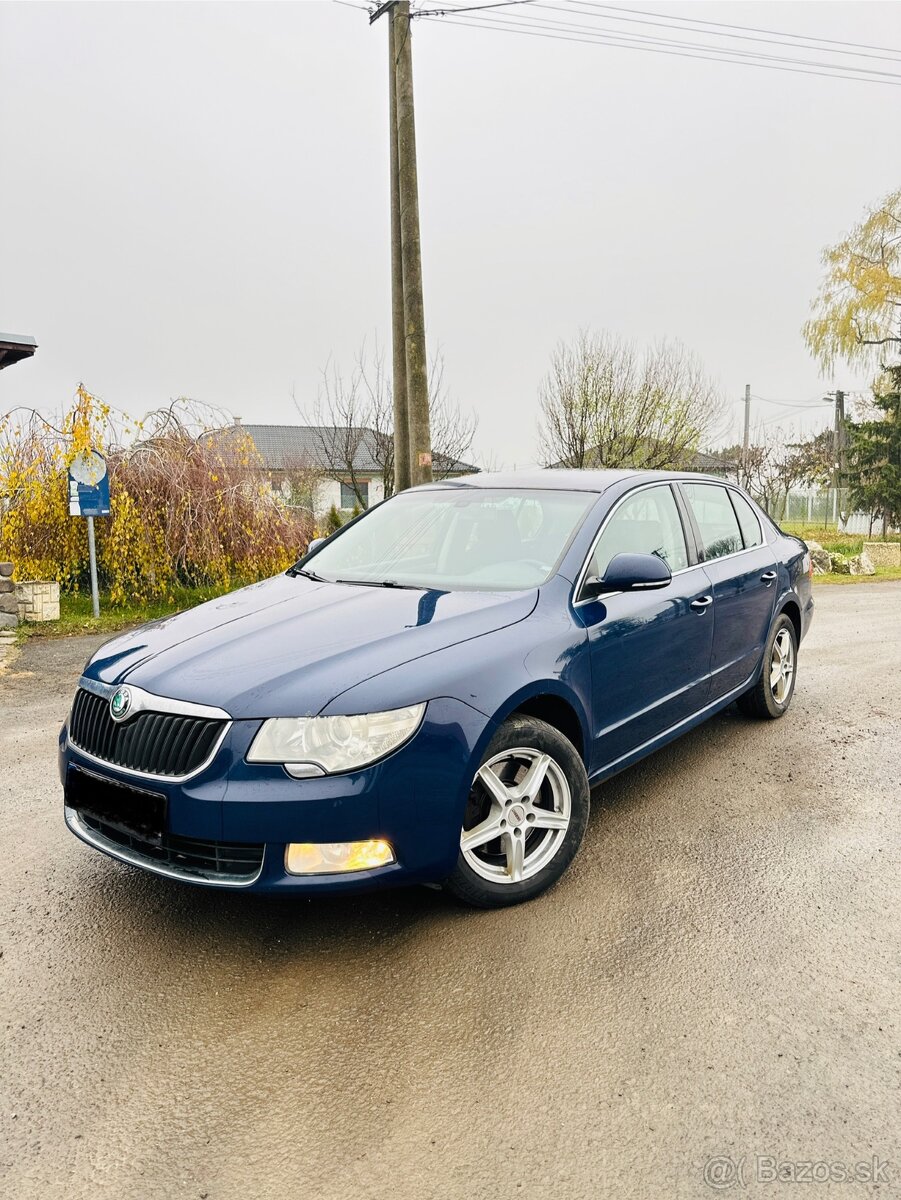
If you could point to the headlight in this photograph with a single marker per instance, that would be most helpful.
(308, 746)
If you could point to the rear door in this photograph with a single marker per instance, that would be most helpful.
(650, 651)
(742, 572)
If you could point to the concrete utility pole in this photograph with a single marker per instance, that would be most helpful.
(402, 476)
(838, 450)
(840, 436)
(413, 431)
(746, 440)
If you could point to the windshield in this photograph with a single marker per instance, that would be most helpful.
(452, 539)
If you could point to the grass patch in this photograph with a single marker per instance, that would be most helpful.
(843, 543)
(76, 618)
(882, 574)
(832, 540)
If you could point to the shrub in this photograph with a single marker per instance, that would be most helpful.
(189, 507)
(333, 520)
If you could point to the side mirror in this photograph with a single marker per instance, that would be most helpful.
(314, 544)
(629, 573)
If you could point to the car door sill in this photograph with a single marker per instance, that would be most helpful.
(669, 735)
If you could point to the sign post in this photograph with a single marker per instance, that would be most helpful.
(89, 497)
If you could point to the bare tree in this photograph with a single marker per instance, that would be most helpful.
(776, 463)
(339, 420)
(605, 404)
(354, 421)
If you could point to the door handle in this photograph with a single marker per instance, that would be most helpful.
(768, 576)
(702, 603)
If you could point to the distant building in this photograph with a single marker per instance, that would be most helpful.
(319, 466)
(712, 463)
(14, 347)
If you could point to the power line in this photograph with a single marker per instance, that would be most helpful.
(707, 28)
(792, 403)
(522, 21)
(833, 71)
(608, 15)
(725, 25)
(443, 12)
(783, 416)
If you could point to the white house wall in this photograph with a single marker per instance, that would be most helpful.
(328, 493)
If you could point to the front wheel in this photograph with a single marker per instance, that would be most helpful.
(772, 693)
(525, 816)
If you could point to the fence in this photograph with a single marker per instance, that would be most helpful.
(828, 508)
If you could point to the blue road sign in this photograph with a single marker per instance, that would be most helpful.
(89, 486)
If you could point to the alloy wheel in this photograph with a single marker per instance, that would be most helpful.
(517, 816)
(782, 666)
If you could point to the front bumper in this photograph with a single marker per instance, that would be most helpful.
(415, 799)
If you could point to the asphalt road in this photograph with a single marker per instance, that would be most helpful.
(719, 974)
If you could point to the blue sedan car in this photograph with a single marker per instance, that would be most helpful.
(428, 696)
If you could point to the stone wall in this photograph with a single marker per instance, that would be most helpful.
(38, 600)
(9, 607)
(884, 554)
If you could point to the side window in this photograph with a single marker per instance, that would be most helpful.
(747, 519)
(646, 523)
(716, 519)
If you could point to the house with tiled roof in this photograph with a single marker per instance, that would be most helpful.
(322, 465)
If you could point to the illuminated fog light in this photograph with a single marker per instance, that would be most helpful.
(329, 858)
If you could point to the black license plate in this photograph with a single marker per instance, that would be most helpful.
(128, 809)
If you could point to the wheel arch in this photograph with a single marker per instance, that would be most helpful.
(548, 702)
(790, 608)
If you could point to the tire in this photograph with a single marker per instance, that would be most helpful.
(766, 699)
(537, 829)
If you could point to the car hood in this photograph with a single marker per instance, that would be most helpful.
(290, 645)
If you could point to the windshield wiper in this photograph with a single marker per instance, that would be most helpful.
(292, 571)
(387, 583)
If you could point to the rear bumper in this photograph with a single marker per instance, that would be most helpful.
(415, 799)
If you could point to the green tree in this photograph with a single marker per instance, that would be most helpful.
(812, 460)
(333, 520)
(858, 310)
(874, 454)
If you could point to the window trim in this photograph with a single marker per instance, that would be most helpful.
(642, 487)
(693, 543)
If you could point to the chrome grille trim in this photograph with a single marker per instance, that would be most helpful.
(167, 709)
(142, 701)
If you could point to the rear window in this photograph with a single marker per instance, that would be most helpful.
(747, 519)
(716, 519)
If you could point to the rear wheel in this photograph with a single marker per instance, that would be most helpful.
(525, 816)
(772, 693)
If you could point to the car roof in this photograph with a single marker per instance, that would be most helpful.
(561, 479)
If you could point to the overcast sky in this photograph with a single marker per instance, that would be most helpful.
(195, 201)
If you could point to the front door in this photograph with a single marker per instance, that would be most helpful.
(650, 651)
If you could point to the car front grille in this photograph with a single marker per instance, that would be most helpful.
(234, 863)
(152, 743)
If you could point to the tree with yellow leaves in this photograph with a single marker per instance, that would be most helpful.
(190, 507)
(857, 314)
